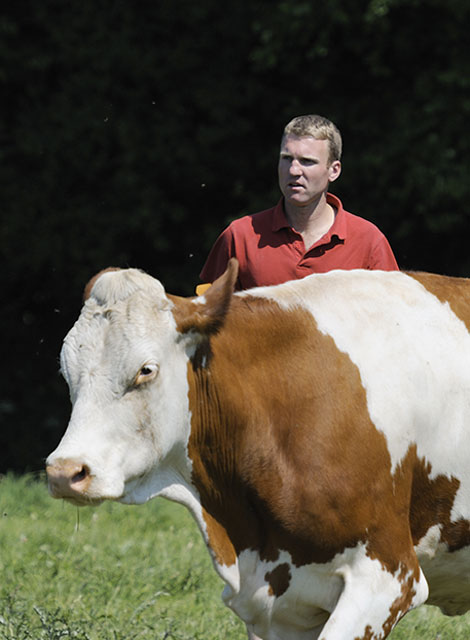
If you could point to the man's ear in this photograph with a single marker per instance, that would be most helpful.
(206, 314)
(334, 170)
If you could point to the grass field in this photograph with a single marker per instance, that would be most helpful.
(120, 572)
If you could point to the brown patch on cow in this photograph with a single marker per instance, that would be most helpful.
(284, 452)
(368, 634)
(220, 544)
(278, 579)
(432, 501)
(454, 291)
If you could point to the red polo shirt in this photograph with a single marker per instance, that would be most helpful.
(270, 251)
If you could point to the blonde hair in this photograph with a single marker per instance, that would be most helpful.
(319, 128)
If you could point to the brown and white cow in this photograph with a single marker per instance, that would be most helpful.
(318, 431)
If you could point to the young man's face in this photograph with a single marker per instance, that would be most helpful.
(304, 170)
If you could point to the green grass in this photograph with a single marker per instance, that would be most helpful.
(119, 572)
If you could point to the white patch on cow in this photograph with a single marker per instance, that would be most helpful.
(332, 600)
(112, 287)
(413, 356)
(430, 543)
(201, 300)
(370, 596)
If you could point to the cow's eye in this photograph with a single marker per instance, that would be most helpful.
(147, 373)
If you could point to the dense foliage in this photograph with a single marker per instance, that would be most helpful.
(132, 132)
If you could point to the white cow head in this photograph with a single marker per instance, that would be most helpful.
(126, 364)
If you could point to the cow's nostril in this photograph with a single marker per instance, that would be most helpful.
(80, 475)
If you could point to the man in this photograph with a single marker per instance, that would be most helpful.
(308, 231)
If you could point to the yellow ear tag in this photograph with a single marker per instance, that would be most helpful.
(202, 288)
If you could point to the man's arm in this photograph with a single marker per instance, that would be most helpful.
(217, 260)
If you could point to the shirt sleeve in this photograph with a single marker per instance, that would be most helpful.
(382, 257)
(218, 257)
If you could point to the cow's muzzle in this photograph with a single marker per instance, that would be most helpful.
(69, 479)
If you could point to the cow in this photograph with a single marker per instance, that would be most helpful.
(317, 430)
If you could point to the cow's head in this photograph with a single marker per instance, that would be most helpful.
(126, 364)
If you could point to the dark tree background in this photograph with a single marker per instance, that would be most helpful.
(132, 132)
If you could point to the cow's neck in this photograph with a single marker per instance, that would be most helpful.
(214, 451)
(246, 448)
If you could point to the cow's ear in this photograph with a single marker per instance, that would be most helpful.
(90, 284)
(206, 314)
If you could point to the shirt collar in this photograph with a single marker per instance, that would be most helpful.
(338, 228)
(279, 220)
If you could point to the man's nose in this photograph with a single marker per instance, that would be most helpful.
(295, 169)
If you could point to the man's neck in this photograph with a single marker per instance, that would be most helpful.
(311, 221)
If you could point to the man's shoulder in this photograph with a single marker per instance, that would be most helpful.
(371, 241)
(360, 224)
(252, 220)
(259, 215)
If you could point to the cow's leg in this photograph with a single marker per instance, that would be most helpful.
(373, 600)
(313, 634)
(251, 635)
